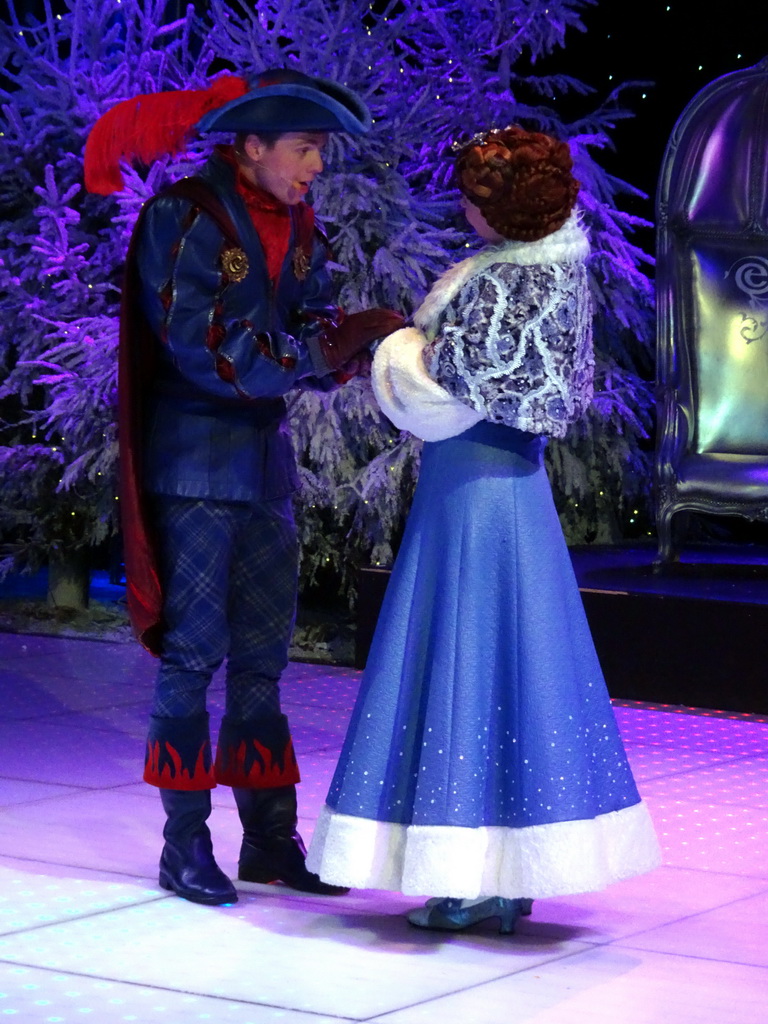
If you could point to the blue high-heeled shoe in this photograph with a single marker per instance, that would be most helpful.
(448, 915)
(526, 905)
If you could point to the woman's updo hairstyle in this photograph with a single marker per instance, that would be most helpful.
(520, 181)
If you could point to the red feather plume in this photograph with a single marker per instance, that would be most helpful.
(147, 127)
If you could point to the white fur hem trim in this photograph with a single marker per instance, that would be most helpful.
(407, 394)
(435, 860)
(568, 244)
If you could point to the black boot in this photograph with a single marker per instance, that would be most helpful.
(272, 850)
(187, 866)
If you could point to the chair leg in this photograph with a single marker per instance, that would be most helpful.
(667, 550)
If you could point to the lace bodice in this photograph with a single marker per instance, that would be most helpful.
(515, 345)
(503, 336)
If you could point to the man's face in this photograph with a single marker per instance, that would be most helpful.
(287, 168)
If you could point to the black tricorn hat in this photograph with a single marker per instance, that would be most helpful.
(283, 100)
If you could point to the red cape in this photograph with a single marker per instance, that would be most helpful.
(136, 360)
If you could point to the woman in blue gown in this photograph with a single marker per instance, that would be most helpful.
(483, 763)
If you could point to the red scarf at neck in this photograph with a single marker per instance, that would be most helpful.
(270, 217)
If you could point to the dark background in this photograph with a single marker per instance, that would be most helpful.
(677, 48)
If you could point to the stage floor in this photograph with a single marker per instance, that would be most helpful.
(692, 632)
(705, 572)
(87, 934)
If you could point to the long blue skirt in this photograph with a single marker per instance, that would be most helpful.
(483, 710)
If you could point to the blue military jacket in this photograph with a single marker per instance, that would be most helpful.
(228, 350)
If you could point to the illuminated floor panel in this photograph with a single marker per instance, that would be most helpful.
(86, 933)
(32, 995)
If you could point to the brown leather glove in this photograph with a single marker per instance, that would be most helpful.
(357, 366)
(343, 339)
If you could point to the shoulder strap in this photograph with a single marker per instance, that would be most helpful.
(199, 192)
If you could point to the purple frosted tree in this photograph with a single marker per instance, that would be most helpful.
(62, 251)
(432, 72)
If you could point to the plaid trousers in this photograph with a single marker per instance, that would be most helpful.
(229, 578)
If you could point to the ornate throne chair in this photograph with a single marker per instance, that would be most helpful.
(712, 300)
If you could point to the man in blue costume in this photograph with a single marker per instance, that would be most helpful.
(226, 308)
